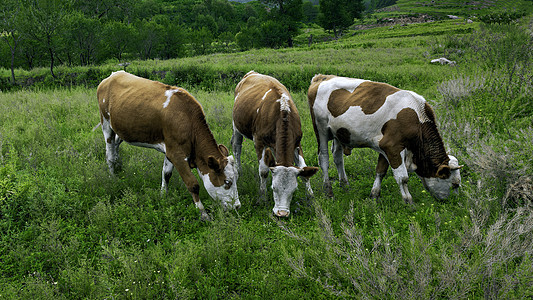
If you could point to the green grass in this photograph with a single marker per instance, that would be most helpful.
(455, 7)
(70, 230)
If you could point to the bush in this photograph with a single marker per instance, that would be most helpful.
(501, 17)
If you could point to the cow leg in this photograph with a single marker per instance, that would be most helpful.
(236, 145)
(338, 152)
(178, 159)
(381, 170)
(400, 172)
(323, 161)
(263, 172)
(167, 173)
(300, 163)
(112, 142)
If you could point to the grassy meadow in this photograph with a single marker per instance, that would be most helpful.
(69, 230)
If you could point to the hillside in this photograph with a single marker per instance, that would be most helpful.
(69, 229)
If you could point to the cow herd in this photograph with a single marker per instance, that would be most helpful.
(398, 124)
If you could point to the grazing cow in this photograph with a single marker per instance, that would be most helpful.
(168, 119)
(398, 124)
(265, 113)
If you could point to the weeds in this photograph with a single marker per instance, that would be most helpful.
(457, 89)
(420, 267)
(69, 230)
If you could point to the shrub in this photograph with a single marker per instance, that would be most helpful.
(459, 88)
(505, 17)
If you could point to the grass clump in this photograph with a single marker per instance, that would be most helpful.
(416, 265)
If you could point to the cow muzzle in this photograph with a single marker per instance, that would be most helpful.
(281, 212)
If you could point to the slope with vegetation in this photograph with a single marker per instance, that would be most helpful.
(69, 230)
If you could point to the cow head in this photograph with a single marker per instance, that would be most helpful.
(447, 177)
(284, 183)
(221, 179)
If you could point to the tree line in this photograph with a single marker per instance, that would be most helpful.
(39, 33)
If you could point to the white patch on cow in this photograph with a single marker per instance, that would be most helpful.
(249, 73)
(320, 107)
(284, 183)
(226, 193)
(365, 129)
(264, 96)
(409, 164)
(284, 104)
(419, 107)
(169, 94)
(103, 100)
(159, 146)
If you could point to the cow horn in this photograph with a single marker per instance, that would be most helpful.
(457, 168)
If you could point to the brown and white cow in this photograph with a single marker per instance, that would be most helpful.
(398, 124)
(168, 119)
(265, 113)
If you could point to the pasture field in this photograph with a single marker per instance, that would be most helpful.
(70, 230)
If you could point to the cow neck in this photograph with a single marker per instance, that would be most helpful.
(428, 152)
(284, 141)
(204, 146)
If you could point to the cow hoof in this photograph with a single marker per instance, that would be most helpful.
(205, 217)
(328, 190)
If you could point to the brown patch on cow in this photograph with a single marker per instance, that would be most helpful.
(369, 95)
(137, 115)
(422, 139)
(321, 78)
(258, 116)
(307, 172)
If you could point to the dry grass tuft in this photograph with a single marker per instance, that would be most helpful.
(476, 262)
(520, 192)
(457, 89)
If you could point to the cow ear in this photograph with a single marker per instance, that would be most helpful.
(443, 172)
(269, 159)
(307, 172)
(213, 163)
(223, 149)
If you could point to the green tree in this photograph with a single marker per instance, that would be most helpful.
(118, 38)
(310, 12)
(226, 38)
(201, 40)
(43, 20)
(288, 14)
(248, 37)
(10, 13)
(173, 38)
(105, 9)
(338, 15)
(83, 37)
(149, 38)
(272, 34)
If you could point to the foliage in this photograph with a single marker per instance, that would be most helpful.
(70, 230)
(337, 15)
(501, 17)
